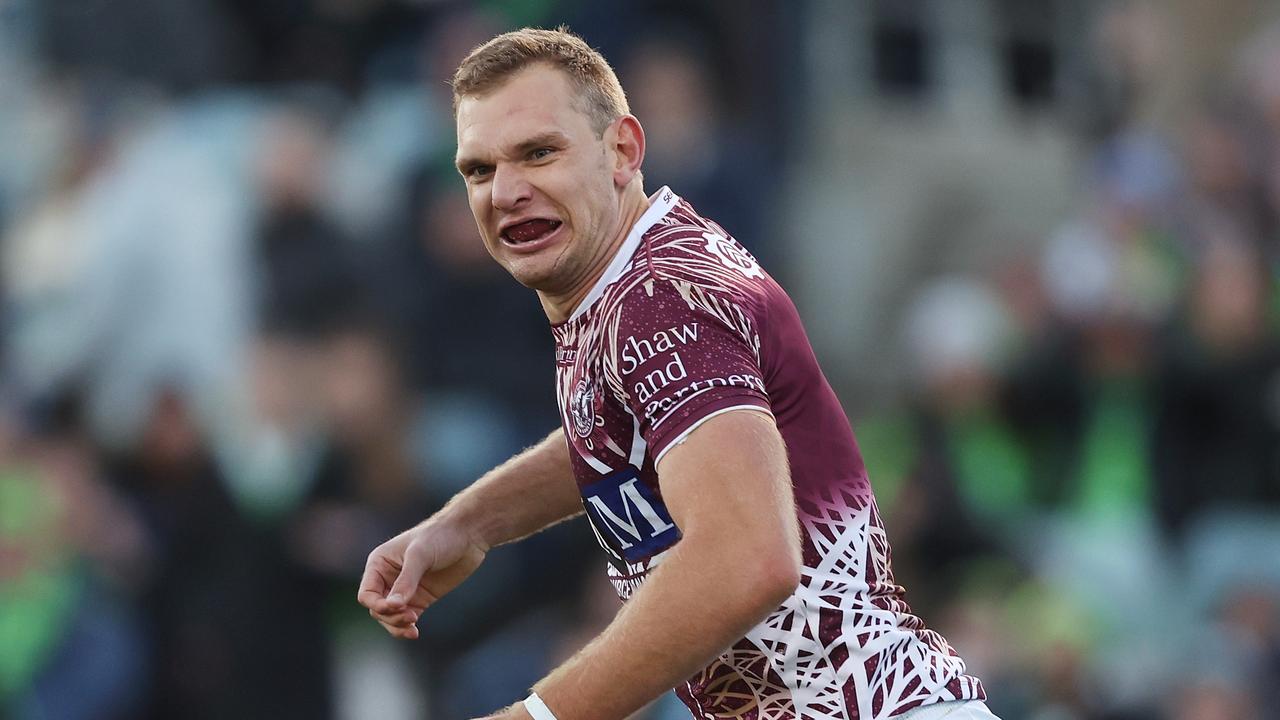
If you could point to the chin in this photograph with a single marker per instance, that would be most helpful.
(532, 278)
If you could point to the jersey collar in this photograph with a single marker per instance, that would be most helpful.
(660, 203)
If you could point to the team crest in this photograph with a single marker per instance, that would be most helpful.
(732, 256)
(582, 407)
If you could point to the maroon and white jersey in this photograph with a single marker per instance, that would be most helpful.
(685, 325)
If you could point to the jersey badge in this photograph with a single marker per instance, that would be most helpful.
(732, 256)
(582, 408)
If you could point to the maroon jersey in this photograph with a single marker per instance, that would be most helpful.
(685, 325)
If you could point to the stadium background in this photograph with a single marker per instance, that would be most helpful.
(248, 332)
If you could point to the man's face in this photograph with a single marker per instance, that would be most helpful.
(540, 181)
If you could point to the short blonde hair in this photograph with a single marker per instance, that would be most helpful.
(490, 65)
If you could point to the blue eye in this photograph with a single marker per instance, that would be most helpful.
(540, 153)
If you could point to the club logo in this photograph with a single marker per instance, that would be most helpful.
(732, 256)
(582, 407)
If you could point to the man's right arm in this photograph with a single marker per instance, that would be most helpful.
(529, 492)
(409, 572)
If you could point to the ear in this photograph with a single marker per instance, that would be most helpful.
(627, 144)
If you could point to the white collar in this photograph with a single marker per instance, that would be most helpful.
(660, 203)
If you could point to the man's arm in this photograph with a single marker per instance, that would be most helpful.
(409, 572)
(531, 491)
(729, 490)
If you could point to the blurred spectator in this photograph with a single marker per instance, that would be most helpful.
(144, 270)
(1130, 51)
(1213, 699)
(367, 485)
(1234, 671)
(1044, 671)
(1217, 434)
(1110, 276)
(1225, 175)
(448, 301)
(47, 248)
(691, 144)
(1041, 391)
(1251, 615)
(968, 476)
(305, 275)
(402, 120)
(71, 556)
(219, 585)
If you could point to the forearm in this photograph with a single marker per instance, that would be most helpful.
(669, 630)
(523, 495)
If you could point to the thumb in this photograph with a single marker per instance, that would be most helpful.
(415, 564)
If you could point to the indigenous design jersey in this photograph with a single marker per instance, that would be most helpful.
(685, 325)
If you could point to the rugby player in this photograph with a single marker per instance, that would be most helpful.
(699, 436)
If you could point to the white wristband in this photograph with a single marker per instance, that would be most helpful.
(537, 708)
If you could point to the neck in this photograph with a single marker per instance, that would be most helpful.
(560, 306)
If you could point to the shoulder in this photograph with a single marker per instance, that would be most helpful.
(677, 313)
(690, 246)
(687, 255)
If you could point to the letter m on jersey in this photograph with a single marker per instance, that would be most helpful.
(628, 518)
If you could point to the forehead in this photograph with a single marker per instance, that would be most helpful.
(538, 99)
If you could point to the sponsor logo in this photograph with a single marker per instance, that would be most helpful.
(732, 256)
(582, 408)
(659, 356)
(628, 519)
(638, 352)
(654, 410)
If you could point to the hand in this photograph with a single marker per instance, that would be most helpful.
(408, 573)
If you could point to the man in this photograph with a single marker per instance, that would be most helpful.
(756, 587)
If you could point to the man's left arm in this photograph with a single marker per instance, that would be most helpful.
(728, 488)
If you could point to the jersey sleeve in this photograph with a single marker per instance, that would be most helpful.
(681, 354)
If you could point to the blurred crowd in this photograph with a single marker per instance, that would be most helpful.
(249, 333)
(1082, 481)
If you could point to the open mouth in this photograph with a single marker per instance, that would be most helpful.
(530, 231)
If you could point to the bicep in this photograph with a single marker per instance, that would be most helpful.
(728, 482)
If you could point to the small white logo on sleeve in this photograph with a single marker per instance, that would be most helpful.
(732, 256)
(582, 406)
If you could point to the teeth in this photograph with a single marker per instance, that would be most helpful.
(530, 230)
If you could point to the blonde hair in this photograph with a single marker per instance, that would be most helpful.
(490, 65)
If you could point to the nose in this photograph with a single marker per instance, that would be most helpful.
(510, 189)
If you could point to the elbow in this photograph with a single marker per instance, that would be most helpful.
(786, 579)
(777, 579)
(782, 571)
(753, 574)
(774, 571)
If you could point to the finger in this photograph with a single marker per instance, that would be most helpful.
(372, 585)
(405, 633)
(391, 629)
(398, 619)
(373, 589)
(385, 606)
(415, 563)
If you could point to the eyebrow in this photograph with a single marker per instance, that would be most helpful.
(551, 137)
